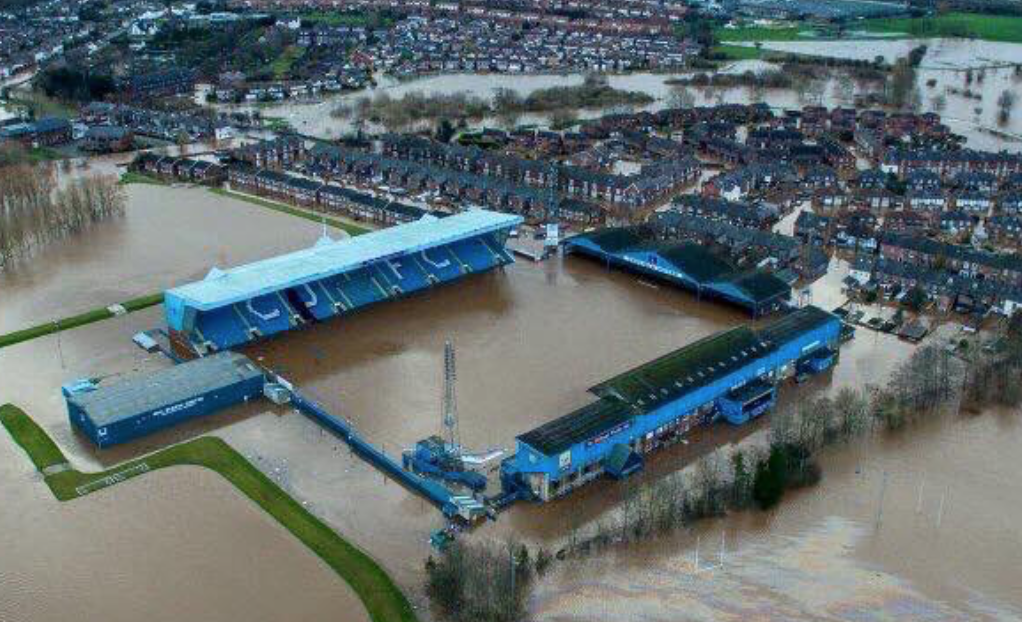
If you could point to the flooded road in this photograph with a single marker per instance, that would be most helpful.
(180, 544)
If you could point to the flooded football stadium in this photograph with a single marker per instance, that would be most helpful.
(917, 526)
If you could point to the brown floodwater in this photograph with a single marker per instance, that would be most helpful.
(180, 544)
(530, 340)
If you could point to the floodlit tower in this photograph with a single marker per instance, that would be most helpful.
(450, 406)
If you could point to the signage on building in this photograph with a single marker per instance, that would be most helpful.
(621, 427)
(553, 235)
(564, 460)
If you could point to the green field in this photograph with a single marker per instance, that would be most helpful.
(381, 597)
(737, 52)
(960, 25)
(131, 177)
(281, 66)
(763, 33)
(337, 18)
(964, 25)
(96, 315)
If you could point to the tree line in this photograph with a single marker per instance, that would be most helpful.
(36, 210)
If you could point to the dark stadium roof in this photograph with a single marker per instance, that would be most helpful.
(672, 376)
(787, 327)
(577, 426)
(616, 239)
(760, 286)
(677, 373)
(694, 260)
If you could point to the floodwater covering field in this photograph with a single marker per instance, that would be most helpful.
(180, 544)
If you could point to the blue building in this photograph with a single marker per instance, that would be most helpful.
(232, 307)
(116, 413)
(733, 375)
(686, 264)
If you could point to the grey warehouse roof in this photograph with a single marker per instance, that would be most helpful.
(144, 393)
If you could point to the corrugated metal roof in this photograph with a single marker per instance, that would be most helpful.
(115, 402)
(225, 287)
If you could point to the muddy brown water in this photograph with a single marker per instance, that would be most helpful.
(529, 340)
(180, 544)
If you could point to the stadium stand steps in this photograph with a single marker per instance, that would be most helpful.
(223, 327)
(250, 330)
(300, 307)
(268, 313)
(447, 268)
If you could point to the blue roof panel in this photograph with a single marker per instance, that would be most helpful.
(223, 287)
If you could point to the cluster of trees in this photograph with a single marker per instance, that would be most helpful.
(594, 92)
(1005, 104)
(33, 213)
(483, 581)
(75, 84)
(249, 46)
(396, 114)
(561, 102)
(901, 88)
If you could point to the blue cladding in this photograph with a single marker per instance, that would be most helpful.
(316, 300)
(222, 326)
(132, 408)
(345, 289)
(268, 314)
(805, 339)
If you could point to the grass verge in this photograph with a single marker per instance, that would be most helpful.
(131, 177)
(96, 315)
(736, 52)
(337, 223)
(763, 33)
(381, 597)
(281, 66)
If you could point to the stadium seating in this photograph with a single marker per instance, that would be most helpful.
(222, 328)
(440, 263)
(332, 286)
(313, 294)
(504, 255)
(360, 288)
(405, 273)
(473, 252)
(267, 313)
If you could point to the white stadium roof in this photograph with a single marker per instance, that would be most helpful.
(328, 258)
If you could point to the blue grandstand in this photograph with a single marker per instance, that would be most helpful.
(685, 264)
(232, 307)
(732, 375)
